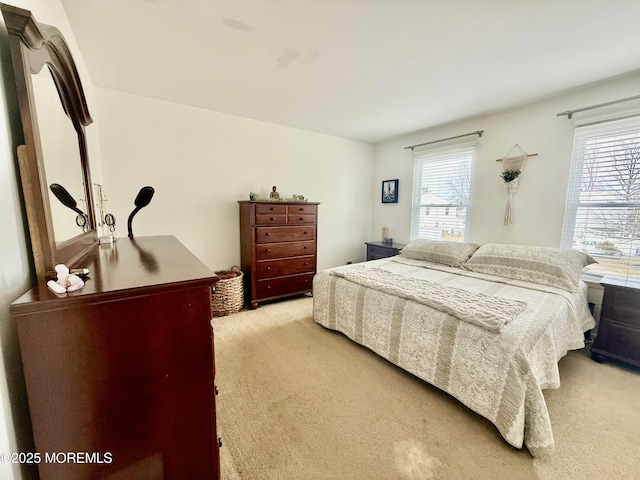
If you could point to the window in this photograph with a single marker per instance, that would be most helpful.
(442, 192)
(602, 215)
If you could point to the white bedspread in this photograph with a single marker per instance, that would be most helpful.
(487, 311)
(498, 375)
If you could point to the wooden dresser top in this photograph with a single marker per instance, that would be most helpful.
(278, 202)
(139, 264)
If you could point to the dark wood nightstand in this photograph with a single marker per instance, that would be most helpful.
(619, 327)
(377, 250)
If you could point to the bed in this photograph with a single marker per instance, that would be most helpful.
(486, 324)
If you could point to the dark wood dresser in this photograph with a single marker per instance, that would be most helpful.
(619, 326)
(377, 250)
(278, 243)
(120, 374)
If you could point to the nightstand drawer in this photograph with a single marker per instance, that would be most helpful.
(625, 339)
(622, 305)
(377, 250)
(618, 334)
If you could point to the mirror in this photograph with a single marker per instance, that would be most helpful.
(54, 116)
(60, 153)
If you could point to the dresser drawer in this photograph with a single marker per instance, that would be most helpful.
(287, 266)
(288, 249)
(301, 219)
(618, 340)
(284, 285)
(266, 209)
(376, 251)
(284, 234)
(302, 209)
(622, 305)
(270, 219)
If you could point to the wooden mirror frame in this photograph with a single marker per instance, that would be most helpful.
(33, 46)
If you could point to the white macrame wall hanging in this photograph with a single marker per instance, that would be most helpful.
(512, 167)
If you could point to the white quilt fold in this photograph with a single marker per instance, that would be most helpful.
(486, 311)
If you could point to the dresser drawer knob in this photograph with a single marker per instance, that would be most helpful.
(305, 232)
(272, 219)
(301, 218)
(268, 268)
(305, 247)
(268, 250)
(215, 389)
(271, 209)
(306, 264)
(267, 234)
(302, 209)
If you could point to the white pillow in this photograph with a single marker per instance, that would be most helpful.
(556, 267)
(453, 254)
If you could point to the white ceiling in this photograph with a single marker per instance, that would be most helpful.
(361, 69)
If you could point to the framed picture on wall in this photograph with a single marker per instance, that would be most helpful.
(390, 191)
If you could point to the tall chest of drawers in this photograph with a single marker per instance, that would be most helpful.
(278, 243)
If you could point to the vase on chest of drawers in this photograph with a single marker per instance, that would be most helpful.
(278, 243)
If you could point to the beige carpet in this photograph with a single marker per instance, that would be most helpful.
(298, 401)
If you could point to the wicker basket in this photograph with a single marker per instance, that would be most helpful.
(228, 293)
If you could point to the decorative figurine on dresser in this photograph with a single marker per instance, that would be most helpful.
(278, 242)
(119, 364)
(618, 335)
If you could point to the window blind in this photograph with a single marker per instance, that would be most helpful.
(602, 214)
(442, 181)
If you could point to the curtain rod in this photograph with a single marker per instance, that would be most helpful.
(477, 132)
(569, 113)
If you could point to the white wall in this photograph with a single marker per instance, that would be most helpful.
(16, 271)
(202, 162)
(539, 202)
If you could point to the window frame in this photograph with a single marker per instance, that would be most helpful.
(463, 153)
(595, 194)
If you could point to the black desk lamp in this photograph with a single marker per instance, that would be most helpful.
(142, 200)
